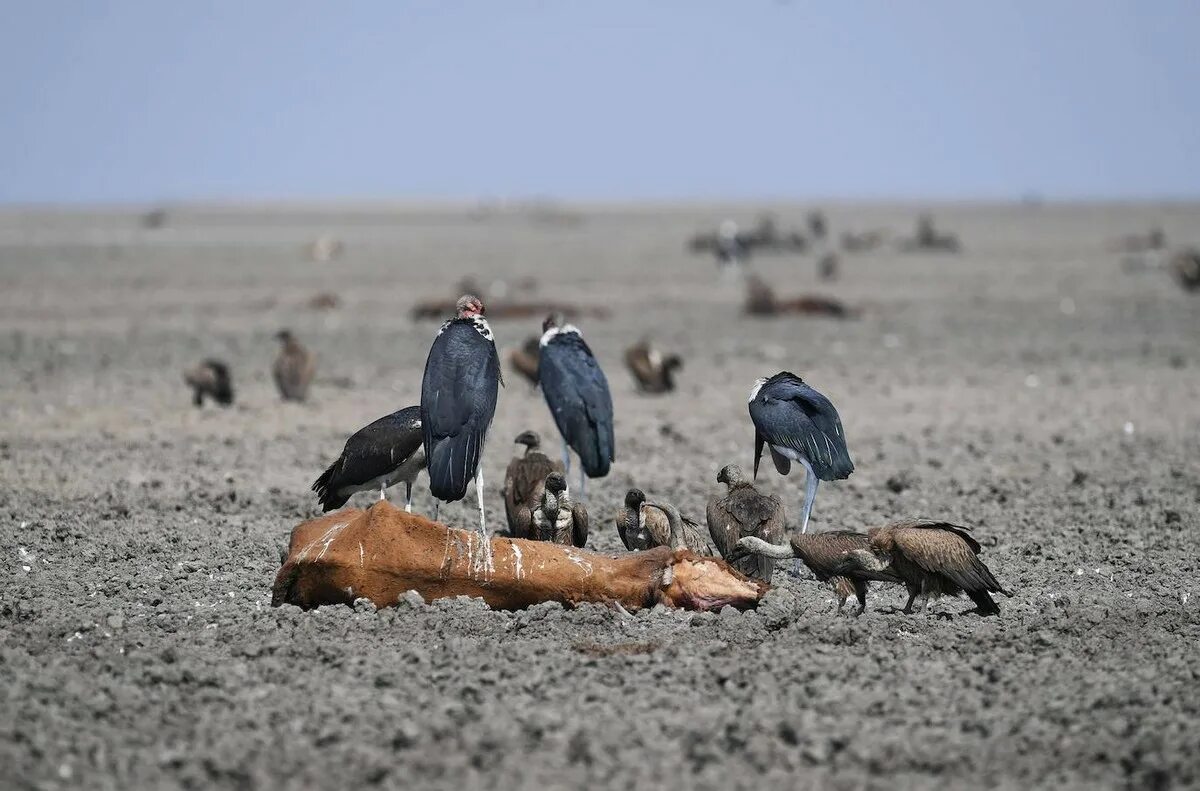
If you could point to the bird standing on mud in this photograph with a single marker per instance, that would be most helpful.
(458, 400)
(825, 555)
(631, 522)
(556, 518)
(294, 368)
(381, 454)
(524, 360)
(576, 391)
(521, 481)
(744, 511)
(652, 371)
(210, 378)
(932, 559)
(799, 424)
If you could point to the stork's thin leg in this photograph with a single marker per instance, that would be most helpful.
(381, 488)
(437, 506)
(408, 497)
(810, 493)
(479, 496)
(582, 484)
(566, 460)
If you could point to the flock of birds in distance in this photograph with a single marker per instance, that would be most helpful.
(445, 433)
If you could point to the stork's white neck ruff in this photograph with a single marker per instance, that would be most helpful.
(758, 383)
(550, 334)
(480, 323)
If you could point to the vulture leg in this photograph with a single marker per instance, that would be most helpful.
(810, 493)
(860, 592)
(408, 497)
(912, 597)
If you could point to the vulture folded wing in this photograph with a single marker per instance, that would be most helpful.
(944, 549)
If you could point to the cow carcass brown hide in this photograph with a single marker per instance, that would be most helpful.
(383, 552)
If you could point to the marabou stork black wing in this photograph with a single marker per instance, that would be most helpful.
(458, 401)
(787, 413)
(576, 391)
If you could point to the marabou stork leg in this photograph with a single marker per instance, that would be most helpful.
(408, 497)
(437, 506)
(381, 488)
(582, 484)
(479, 496)
(810, 493)
(566, 460)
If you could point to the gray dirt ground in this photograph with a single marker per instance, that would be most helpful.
(1031, 388)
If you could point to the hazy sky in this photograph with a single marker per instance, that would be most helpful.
(179, 99)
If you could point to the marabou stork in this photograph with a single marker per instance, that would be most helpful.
(458, 400)
(799, 424)
(381, 454)
(576, 391)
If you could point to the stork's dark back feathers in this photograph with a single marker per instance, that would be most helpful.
(373, 450)
(576, 391)
(458, 401)
(788, 413)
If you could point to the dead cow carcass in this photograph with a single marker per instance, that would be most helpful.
(382, 552)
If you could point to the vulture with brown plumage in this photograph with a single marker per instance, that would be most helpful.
(932, 559)
(825, 555)
(652, 371)
(525, 359)
(210, 379)
(294, 368)
(744, 511)
(667, 527)
(631, 522)
(523, 480)
(556, 518)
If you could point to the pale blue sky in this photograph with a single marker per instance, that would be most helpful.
(153, 100)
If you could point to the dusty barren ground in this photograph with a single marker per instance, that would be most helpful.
(1031, 388)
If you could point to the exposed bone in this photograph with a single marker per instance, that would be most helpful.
(401, 551)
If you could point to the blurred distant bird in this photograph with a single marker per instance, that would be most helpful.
(1186, 266)
(932, 559)
(825, 555)
(680, 533)
(818, 226)
(379, 455)
(576, 391)
(556, 518)
(731, 249)
(744, 511)
(1152, 240)
(631, 522)
(799, 424)
(458, 400)
(210, 378)
(525, 359)
(294, 368)
(827, 266)
(928, 239)
(522, 479)
(653, 372)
